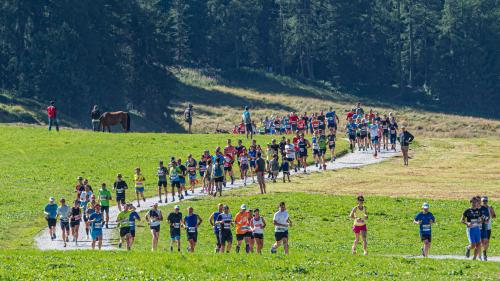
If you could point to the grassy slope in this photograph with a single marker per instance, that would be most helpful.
(219, 98)
(37, 164)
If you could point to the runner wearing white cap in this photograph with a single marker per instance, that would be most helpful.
(175, 221)
(50, 212)
(425, 219)
(154, 217)
(243, 231)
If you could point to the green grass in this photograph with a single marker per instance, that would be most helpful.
(36, 164)
(86, 265)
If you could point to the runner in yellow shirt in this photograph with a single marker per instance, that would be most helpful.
(139, 185)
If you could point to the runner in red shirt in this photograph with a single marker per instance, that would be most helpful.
(296, 148)
(293, 121)
(52, 115)
(350, 114)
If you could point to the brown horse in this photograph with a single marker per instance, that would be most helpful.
(109, 119)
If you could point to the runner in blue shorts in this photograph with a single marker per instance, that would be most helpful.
(472, 219)
(95, 221)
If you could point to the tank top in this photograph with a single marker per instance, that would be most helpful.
(191, 223)
(359, 214)
(315, 143)
(226, 220)
(302, 145)
(76, 214)
(258, 225)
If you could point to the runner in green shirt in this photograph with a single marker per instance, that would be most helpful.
(322, 148)
(123, 221)
(104, 197)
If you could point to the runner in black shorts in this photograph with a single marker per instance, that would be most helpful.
(303, 145)
(225, 221)
(120, 186)
(162, 174)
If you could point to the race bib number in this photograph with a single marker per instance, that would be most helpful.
(227, 225)
(280, 229)
(177, 225)
(191, 229)
(331, 142)
(426, 227)
(97, 225)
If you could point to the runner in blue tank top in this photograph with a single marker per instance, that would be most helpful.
(192, 221)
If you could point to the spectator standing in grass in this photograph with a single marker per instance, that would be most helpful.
(247, 120)
(95, 115)
(188, 116)
(52, 115)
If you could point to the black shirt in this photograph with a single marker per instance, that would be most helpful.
(120, 186)
(95, 114)
(472, 215)
(174, 220)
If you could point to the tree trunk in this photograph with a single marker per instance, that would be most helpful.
(410, 78)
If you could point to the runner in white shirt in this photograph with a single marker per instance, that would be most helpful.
(290, 153)
(281, 223)
(374, 135)
(154, 217)
(257, 223)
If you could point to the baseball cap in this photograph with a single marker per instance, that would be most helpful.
(177, 207)
(79, 178)
(484, 199)
(51, 199)
(425, 206)
(243, 207)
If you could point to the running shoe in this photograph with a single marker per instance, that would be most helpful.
(423, 253)
(237, 249)
(467, 252)
(273, 250)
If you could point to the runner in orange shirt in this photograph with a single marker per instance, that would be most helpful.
(243, 231)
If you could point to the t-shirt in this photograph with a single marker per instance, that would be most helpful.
(63, 212)
(218, 171)
(154, 217)
(322, 142)
(174, 173)
(290, 151)
(331, 139)
(104, 196)
(133, 216)
(120, 187)
(124, 219)
(294, 119)
(246, 117)
(374, 130)
(485, 214)
(260, 165)
(51, 111)
(242, 221)
(425, 218)
(191, 223)
(139, 180)
(281, 218)
(162, 173)
(351, 128)
(330, 117)
(393, 128)
(51, 210)
(473, 216)
(97, 223)
(175, 220)
(225, 221)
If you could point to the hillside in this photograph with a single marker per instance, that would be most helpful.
(219, 97)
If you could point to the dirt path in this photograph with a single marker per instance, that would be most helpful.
(43, 241)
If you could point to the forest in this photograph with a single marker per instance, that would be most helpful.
(120, 52)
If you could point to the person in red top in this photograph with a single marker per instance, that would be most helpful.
(228, 165)
(52, 115)
(350, 114)
(294, 118)
(296, 148)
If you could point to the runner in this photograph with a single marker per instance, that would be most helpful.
(331, 144)
(282, 222)
(218, 176)
(202, 168)
(384, 123)
(191, 170)
(174, 173)
(244, 165)
(425, 219)
(374, 128)
(79, 186)
(359, 214)
(295, 141)
(90, 209)
(123, 220)
(472, 219)
(224, 222)
(393, 133)
(405, 138)
(240, 149)
(132, 218)
(154, 218)
(192, 222)
(247, 120)
(274, 167)
(242, 222)
(359, 109)
(95, 220)
(260, 169)
(139, 185)
(50, 211)
(214, 217)
(64, 213)
(120, 186)
(75, 219)
(322, 149)
(104, 197)
(303, 144)
(315, 146)
(207, 177)
(285, 168)
(257, 224)
(488, 214)
(332, 119)
(228, 167)
(363, 135)
(351, 132)
(175, 221)
(322, 121)
(252, 153)
(162, 173)
(290, 154)
(182, 176)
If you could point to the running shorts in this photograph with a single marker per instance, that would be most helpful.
(225, 236)
(303, 154)
(375, 140)
(332, 125)
(229, 168)
(322, 151)
(51, 222)
(96, 234)
(260, 177)
(175, 184)
(219, 179)
(124, 231)
(74, 223)
(278, 236)
(252, 163)
(120, 197)
(156, 228)
(175, 234)
(132, 232)
(485, 233)
(352, 137)
(331, 146)
(363, 136)
(105, 209)
(65, 225)
(315, 151)
(139, 189)
(290, 159)
(192, 177)
(162, 183)
(427, 237)
(249, 128)
(182, 180)
(202, 174)
(474, 235)
(258, 235)
(385, 133)
(240, 237)
(192, 236)
(393, 138)
(244, 167)
(359, 228)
